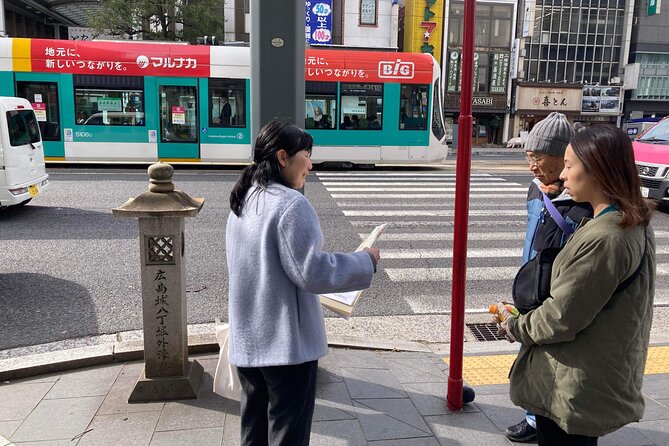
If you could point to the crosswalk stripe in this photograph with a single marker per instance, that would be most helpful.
(448, 253)
(418, 184)
(445, 274)
(517, 196)
(394, 174)
(440, 236)
(431, 204)
(421, 189)
(430, 213)
(438, 223)
(476, 273)
(409, 179)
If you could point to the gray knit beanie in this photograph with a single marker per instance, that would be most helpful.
(550, 136)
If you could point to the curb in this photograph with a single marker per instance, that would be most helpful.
(121, 351)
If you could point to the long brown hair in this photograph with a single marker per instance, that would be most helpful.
(607, 154)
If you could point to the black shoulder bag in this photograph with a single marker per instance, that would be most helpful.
(532, 284)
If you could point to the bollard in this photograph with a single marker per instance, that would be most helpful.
(167, 374)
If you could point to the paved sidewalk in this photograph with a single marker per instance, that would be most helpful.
(364, 397)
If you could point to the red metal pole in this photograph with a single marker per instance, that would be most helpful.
(461, 219)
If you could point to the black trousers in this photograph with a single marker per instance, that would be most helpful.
(277, 404)
(550, 434)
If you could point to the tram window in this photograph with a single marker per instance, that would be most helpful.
(108, 100)
(227, 103)
(321, 105)
(361, 106)
(46, 95)
(414, 107)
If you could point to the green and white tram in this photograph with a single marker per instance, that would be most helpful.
(140, 102)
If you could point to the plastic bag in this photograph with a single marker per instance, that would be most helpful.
(226, 381)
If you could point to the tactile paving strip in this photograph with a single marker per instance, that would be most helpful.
(494, 369)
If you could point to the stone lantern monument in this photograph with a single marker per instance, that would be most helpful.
(167, 374)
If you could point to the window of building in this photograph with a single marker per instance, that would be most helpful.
(44, 97)
(368, 11)
(362, 106)
(321, 105)
(108, 100)
(414, 107)
(227, 103)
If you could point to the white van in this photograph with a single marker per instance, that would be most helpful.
(22, 171)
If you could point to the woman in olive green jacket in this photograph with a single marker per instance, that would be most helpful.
(580, 367)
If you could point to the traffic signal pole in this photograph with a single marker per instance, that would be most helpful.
(461, 219)
(277, 62)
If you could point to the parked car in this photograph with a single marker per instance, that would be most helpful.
(651, 152)
(22, 169)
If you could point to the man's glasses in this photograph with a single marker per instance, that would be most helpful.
(534, 160)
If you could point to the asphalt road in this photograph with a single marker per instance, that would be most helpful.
(68, 269)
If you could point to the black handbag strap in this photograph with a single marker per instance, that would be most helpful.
(625, 283)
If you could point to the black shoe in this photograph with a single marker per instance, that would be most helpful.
(521, 432)
(468, 394)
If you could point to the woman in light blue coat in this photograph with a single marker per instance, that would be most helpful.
(276, 270)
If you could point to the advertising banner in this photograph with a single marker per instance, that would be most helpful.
(368, 66)
(499, 72)
(601, 100)
(110, 58)
(453, 72)
(423, 27)
(318, 28)
(549, 99)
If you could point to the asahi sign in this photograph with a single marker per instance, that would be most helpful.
(485, 101)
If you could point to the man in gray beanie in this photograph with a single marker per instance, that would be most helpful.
(545, 146)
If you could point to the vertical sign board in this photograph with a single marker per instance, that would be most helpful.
(515, 55)
(500, 66)
(653, 7)
(453, 71)
(318, 27)
(424, 26)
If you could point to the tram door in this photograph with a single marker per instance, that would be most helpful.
(42, 93)
(178, 126)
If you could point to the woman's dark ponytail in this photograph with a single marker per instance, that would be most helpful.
(242, 186)
(274, 136)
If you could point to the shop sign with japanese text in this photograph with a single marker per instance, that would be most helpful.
(107, 58)
(549, 99)
(499, 73)
(318, 28)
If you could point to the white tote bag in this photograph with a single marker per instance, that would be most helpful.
(226, 381)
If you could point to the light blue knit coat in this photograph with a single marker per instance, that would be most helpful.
(276, 270)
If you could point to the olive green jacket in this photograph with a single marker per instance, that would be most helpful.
(584, 351)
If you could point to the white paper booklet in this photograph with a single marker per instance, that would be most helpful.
(344, 303)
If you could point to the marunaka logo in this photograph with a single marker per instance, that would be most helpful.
(396, 69)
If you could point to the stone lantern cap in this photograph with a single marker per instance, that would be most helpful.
(161, 200)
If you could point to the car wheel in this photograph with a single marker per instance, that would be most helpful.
(23, 203)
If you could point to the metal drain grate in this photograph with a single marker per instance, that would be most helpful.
(485, 332)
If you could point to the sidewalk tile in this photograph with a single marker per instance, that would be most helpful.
(332, 402)
(135, 429)
(416, 370)
(500, 410)
(117, 398)
(199, 437)
(231, 430)
(491, 389)
(19, 400)
(627, 436)
(67, 442)
(58, 419)
(655, 411)
(7, 428)
(363, 359)
(372, 383)
(337, 433)
(430, 398)
(656, 386)
(424, 441)
(93, 381)
(465, 429)
(657, 431)
(328, 376)
(387, 419)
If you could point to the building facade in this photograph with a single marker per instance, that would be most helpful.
(563, 45)
(647, 77)
(492, 58)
